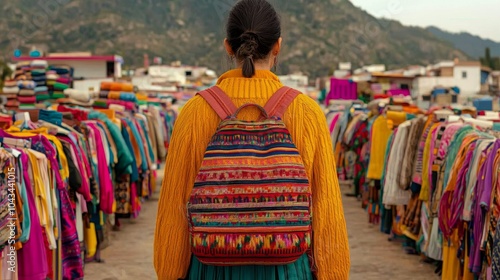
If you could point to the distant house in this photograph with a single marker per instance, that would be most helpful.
(168, 78)
(464, 75)
(297, 80)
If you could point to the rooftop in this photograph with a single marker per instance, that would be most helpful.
(71, 56)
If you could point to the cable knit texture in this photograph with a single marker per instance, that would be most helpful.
(194, 128)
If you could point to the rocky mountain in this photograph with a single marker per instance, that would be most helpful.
(470, 44)
(317, 33)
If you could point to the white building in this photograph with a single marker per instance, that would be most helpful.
(466, 75)
(370, 69)
(166, 78)
(297, 81)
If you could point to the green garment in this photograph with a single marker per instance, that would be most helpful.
(125, 160)
(297, 270)
(42, 97)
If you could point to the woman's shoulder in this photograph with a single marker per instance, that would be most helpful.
(308, 105)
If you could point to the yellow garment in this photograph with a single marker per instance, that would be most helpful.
(141, 96)
(451, 264)
(193, 129)
(64, 170)
(114, 95)
(111, 114)
(395, 118)
(152, 181)
(424, 191)
(108, 112)
(90, 240)
(39, 192)
(380, 137)
(467, 274)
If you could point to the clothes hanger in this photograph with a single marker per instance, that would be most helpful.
(68, 127)
(479, 123)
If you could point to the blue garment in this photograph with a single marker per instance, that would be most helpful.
(453, 148)
(148, 139)
(496, 126)
(138, 138)
(127, 96)
(26, 223)
(51, 117)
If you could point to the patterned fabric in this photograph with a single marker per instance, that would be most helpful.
(251, 199)
(418, 165)
(496, 254)
(410, 152)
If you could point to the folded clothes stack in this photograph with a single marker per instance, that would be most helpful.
(10, 87)
(26, 95)
(116, 93)
(59, 78)
(23, 71)
(116, 86)
(39, 76)
(12, 104)
(42, 94)
(142, 99)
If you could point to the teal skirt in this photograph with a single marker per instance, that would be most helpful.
(298, 270)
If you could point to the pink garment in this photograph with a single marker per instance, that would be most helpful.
(127, 104)
(448, 134)
(64, 81)
(85, 188)
(334, 122)
(106, 199)
(342, 89)
(399, 92)
(32, 258)
(134, 200)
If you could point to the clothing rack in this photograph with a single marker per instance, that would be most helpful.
(15, 143)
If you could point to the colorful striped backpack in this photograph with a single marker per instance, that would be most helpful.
(251, 201)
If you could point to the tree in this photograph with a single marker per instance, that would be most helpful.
(5, 72)
(492, 62)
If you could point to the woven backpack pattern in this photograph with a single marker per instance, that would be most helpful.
(251, 199)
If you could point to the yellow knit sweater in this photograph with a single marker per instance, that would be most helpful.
(192, 132)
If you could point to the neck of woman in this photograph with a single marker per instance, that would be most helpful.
(264, 64)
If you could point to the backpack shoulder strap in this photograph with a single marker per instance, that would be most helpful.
(279, 102)
(219, 101)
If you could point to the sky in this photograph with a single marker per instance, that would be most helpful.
(478, 17)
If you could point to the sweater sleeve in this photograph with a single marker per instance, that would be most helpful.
(331, 248)
(171, 244)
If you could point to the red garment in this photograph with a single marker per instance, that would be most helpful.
(78, 114)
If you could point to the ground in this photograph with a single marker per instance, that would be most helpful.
(373, 257)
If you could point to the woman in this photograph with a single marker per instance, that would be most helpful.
(254, 42)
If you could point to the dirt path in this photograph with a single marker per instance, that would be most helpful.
(130, 255)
